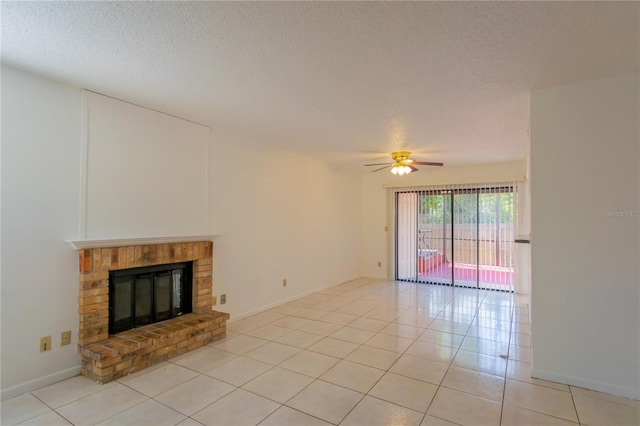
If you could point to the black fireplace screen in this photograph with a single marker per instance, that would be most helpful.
(141, 296)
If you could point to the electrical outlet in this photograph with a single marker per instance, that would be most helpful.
(65, 338)
(214, 300)
(284, 282)
(223, 299)
(379, 264)
(45, 344)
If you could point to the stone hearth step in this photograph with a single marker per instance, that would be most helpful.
(133, 350)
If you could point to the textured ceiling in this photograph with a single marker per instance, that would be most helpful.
(341, 81)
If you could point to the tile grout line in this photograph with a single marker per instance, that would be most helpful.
(504, 386)
(452, 358)
(475, 317)
(315, 379)
(191, 379)
(575, 407)
(126, 409)
(479, 353)
(38, 415)
(377, 381)
(387, 371)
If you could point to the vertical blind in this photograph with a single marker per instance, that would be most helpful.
(460, 235)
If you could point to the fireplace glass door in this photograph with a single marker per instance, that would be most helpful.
(141, 296)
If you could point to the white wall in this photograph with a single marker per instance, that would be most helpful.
(146, 172)
(586, 282)
(280, 215)
(376, 244)
(40, 205)
(524, 250)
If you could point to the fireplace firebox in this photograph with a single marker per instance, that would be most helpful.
(140, 296)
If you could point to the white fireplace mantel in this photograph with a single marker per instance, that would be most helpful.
(137, 241)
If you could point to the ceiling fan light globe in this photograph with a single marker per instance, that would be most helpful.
(401, 170)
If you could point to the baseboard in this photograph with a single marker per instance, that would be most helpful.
(263, 308)
(38, 383)
(586, 384)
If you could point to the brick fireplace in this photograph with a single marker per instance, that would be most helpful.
(108, 357)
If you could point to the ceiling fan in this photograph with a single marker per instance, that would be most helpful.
(402, 164)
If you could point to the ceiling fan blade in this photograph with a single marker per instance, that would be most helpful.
(381, 168)
(427, 163)
(378, 164)
(413, 169)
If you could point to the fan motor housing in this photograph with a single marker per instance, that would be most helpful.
(400, 155)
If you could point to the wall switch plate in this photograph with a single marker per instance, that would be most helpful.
(379, 264)
(45, 344)
(284, 282)
(223, 299)
(214, 300)
(65, 338)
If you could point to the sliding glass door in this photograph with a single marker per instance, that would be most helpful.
(496, 235)
(456, 236)
(465, 238)
(407, 236)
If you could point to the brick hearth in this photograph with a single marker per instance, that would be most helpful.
(105, 357)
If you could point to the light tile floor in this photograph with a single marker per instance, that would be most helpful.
(367, 352)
